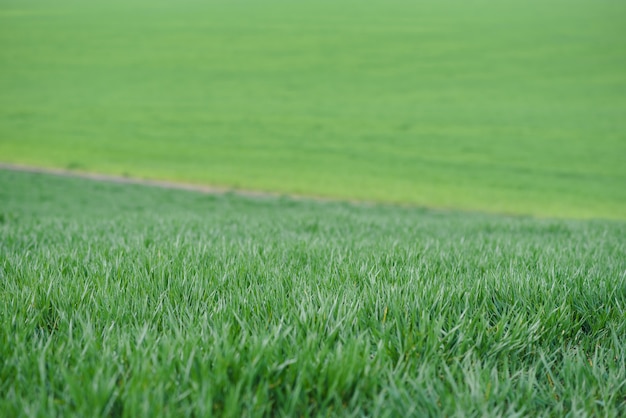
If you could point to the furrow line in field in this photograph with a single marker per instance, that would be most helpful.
(165, 184)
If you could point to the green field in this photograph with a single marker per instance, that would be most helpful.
(486, 275)
(120, 300)
(500, 106)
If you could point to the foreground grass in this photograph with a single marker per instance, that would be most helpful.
(513, 106)
(129, 301)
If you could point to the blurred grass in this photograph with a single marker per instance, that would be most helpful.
(498, 106)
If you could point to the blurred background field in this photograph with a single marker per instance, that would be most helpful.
(513, 107)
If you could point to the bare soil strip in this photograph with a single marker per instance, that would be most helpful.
(206, 189)
(161, 183)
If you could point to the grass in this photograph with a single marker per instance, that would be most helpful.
(120, 300)
(514, 107)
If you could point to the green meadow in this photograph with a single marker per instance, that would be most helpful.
(508, 107)
(483, 272)
(129, 301)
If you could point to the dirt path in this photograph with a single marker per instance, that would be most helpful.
(160, 183)
(199, 188)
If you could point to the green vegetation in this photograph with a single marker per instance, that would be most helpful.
(120, 300)
(505, 106)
